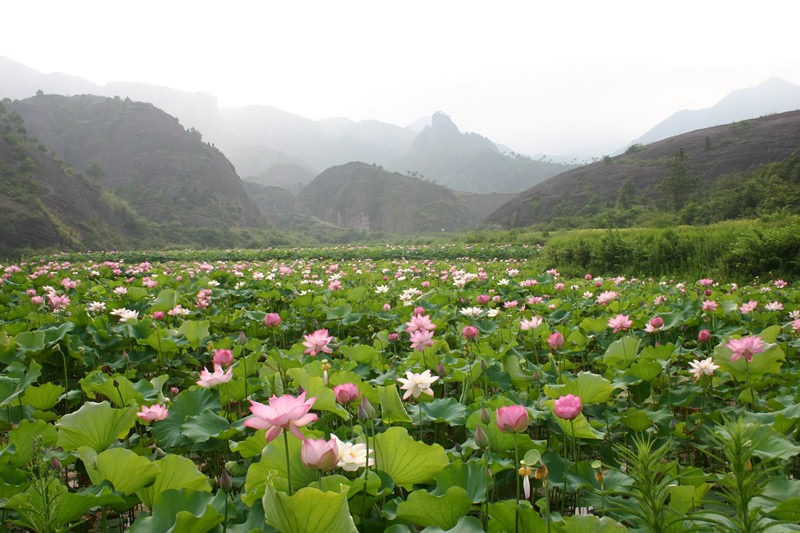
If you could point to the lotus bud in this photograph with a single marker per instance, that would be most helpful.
(485, 418)
(242, 338)
(365, 410)
(441, 370)
(225, 481)
(481, 438)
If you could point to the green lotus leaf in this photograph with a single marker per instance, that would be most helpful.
(180, 511)
(96, 425)
(127, 471)
(166, 300)
(188, 404)
(426, 509)
(42, 396)
(309, 510)
(766, 362)
(195, 331)
(466, 524)
(622, 352)
(360, 353)
(315, 386)
(174, 472)
(117, 388)
(406, 460)
(273, 465)
(21, 440)
(503, 517)
(204, 426)
(471, 476)
(16, 379)
(592, 388)
(392, 410)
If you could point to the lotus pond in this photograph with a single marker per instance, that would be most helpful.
(384, 390)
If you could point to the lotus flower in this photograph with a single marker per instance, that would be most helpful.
(286, 412)
(153, 412)
(512, 418)
(320, 454)
(745, 347)
(417, 384)
(317, 342)
(568, 407)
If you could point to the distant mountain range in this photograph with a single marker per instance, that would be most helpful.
(773, 96)
(260, 140)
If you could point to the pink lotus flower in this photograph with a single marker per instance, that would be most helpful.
(710, 305)
(620, 323)
(317, 342)
(346, 393)
(483, 299)
(704, 335)
(209, 379)
(568, 407)
(748, 307)
(655, 324)
(393, 337)
(512, 419)
(705, 282)
(745, 347)
(606, 297)
(272, 320)
(470, 332)
(421, 339)
(387, 307)
(154, 412)
(37, 300)
(419, 310)
(533, 323)
(158, 315)
(555, 341)
(320, 454)
(796, 325)
(286, 412)
(335, 285)
(420, 322)
(223, 357)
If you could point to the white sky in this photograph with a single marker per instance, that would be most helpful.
(557, 76)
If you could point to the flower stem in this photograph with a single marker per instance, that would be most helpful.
(288, 467)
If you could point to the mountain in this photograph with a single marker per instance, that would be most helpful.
(258, 138)
(470, 162)
(143, 155)
(367, 197)
(44, 204)
(681, 170)
(773, 96)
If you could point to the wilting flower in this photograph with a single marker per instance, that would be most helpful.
(346, 393)
(223, 357)
(320, 454)
(272, 320)
(512, 418)
(421, 339)
(125, 314)
(525, 472)
(286, 412)
(353, 456)
(620, 323)
(154, 412)
(745, 347)
(417, 384)
(470, 332)
(533, 323)
(209, 379)
(700, 368)
(317, 342)
(568, 407)
(555, 340)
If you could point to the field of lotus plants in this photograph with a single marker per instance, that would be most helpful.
(388, 391)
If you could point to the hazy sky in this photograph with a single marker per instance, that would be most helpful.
(551, 77)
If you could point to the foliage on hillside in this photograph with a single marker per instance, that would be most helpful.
(738, 170)
(168, 174)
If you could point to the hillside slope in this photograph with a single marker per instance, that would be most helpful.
(367, 197)
(43, 205)
(708, 154)
(143, 155)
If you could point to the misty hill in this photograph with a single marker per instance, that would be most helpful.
(471, 162)
(773, 96)
(46, 204)
(367, 197)
(259, 138)
(271, 201)
(143, 155)
(674, 175)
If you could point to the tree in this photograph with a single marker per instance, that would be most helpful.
(626, 194)
(679, 183)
